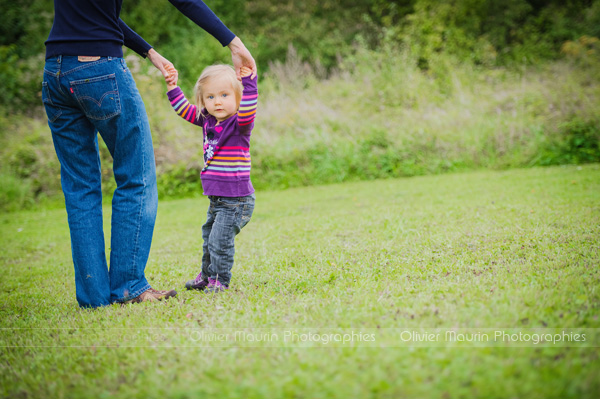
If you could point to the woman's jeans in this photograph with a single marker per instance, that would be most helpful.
(225, 218)
(81, 100)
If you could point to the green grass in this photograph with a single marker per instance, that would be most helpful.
(517, 249)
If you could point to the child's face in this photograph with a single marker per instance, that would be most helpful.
(219, 98)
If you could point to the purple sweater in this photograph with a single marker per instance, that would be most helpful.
(226, 170)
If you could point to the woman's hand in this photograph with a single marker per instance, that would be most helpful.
(164, 66)
(241, 57)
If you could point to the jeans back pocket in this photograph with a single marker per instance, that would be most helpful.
(98, 97)
(52, 111)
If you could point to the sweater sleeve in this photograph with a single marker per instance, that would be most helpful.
(183, 107)
(133, 40)
(203, 16)
(247, 111)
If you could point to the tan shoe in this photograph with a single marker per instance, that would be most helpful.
(152, 295)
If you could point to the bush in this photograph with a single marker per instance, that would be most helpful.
(576, 142)
(15, 193)
(179, 180)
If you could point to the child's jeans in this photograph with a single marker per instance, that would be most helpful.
(225, 218)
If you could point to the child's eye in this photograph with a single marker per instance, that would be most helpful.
(224, 94)
(210, 97)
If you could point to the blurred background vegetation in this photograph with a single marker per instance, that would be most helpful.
(350, 90)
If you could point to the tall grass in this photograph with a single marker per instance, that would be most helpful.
(377, 115)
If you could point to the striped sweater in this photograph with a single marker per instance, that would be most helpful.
(226, 171)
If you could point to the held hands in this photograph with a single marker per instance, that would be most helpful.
(165, 67)
(241, 57)
(245, 71)
(171, 78)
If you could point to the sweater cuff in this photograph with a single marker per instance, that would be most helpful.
(174, 92)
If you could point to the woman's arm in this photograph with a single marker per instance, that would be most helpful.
(205, 18)
(134, 41)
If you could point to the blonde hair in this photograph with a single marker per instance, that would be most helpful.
(213, 71)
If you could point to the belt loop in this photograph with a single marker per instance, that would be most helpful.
(59, 59)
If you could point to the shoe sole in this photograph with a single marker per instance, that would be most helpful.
(190, 286)
(169, 294)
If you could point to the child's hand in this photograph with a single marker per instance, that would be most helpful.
(245, 71)
(171, 78)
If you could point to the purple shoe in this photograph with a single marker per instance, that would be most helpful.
(215, 286)
(197, 284)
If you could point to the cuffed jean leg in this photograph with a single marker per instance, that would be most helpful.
(135, 200)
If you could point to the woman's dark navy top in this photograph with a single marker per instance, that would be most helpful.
(93, 27)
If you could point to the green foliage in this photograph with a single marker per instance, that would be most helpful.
(584, 51)
(25, 27)
(19, 80)
(488, 32)
(319, 30)
(179, 180)
(375, 156)
(15, 193)
(483, 32)
(576, 142)
(29, 168)
(26, 24)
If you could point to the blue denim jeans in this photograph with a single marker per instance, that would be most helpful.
(225, 218)
(82, 99)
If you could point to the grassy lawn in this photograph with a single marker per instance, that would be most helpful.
(486, 250)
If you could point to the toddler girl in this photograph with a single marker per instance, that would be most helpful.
(225, 109)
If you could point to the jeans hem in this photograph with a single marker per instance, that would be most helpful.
(135, 294)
